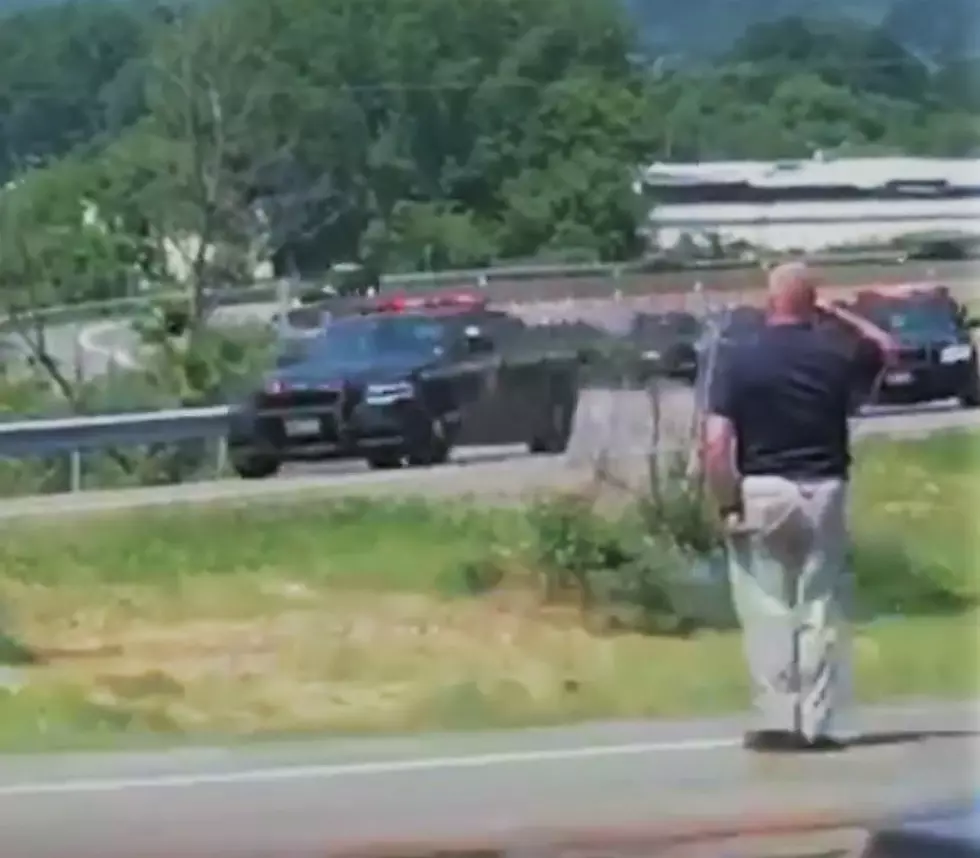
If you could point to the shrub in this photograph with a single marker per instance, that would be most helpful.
(657, 564)
(620, 569)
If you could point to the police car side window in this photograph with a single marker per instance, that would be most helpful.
(503, 329)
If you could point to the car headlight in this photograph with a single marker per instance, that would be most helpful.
(385, 394)
(956, 354)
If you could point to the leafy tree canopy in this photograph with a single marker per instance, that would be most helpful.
(414, 135)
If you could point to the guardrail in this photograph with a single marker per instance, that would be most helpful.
(74, 434)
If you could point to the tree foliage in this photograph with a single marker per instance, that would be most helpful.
(426, 135)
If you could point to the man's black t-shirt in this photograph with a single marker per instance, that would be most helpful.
(788, 391)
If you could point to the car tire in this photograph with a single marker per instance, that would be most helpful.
(553, 437)
(250, 466)
(970, 398)
(434, 449)
(388, 460)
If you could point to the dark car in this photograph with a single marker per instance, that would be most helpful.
(407, 381)
(941, 832)
(723, 330)
(666, 343)
(937, 358)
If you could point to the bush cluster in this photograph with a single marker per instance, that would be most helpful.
(656, 563)
(658, 567)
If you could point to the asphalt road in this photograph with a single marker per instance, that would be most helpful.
(298, 800)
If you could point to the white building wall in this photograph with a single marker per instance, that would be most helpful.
(816, 225)
(819, 224)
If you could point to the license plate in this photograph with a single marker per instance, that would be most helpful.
(899, 378)
(300, 428)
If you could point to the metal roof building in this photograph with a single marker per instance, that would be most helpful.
(859, 173)
(812, 204)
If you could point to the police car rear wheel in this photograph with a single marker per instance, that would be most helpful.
(385, 461)
(432, 450)
(971, 397)
(250, 467)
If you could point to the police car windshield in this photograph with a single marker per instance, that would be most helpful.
(915, 320)
(361, 339)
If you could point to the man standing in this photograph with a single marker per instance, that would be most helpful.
(776, 456)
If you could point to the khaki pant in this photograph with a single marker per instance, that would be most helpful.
(793, 593)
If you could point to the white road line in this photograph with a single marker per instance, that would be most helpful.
(88, 340)
(331, 771)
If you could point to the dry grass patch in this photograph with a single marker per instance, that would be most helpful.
(318, 660)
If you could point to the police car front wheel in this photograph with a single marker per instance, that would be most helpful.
(554, 435)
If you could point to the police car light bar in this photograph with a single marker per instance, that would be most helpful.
(442, 300)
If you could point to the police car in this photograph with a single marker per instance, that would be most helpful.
(666, 343)
(403, 382)
(937, 356)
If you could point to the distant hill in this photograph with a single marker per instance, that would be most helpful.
(696, 29)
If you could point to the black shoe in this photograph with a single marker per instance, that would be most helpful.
(825, 744)
(789, 742)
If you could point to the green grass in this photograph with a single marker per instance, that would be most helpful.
(916, 504)
(344, 543)
(351, 617)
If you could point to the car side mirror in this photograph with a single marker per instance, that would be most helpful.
(476, 342)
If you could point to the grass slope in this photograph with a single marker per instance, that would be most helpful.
(350, 616)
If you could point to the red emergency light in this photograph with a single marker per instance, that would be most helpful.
(401, 302)
(900, 292)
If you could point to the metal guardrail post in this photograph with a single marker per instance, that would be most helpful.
(221, 459)
(75, 471)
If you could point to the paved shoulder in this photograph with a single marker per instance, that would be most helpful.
(302, 799)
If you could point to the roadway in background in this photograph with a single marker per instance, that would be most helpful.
(617, 422)
(543, 300)
(608, 422)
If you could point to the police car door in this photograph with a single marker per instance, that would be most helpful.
(477, 380)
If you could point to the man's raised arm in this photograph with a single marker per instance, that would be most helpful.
(884, 342)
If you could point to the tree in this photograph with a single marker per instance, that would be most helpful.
(191, 177)
(57, 64)
(56, 249)
(793, 86)
(406, 114)
(842, 53)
